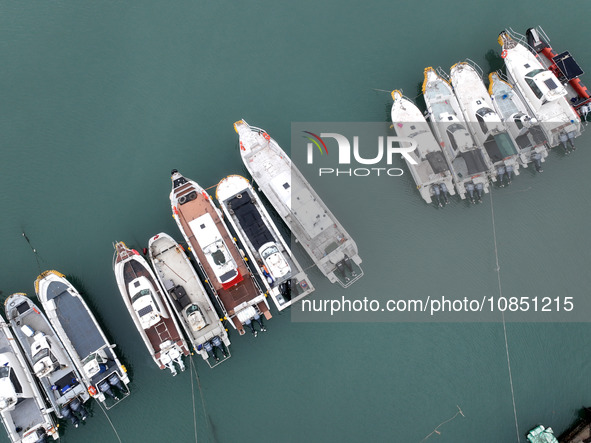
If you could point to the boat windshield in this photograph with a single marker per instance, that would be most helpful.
(532, 74)
(270, 251)
(40, 355)
(139, 295)
(193, 308)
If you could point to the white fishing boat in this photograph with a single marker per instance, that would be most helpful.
(431, 173)
(62, 382)
(519, 121)
(189, 300)
(331, 247)
(222, 263)
(541, 90)
(469, 163)
(483, 122)
(278, 269)
(24, 414)
(94, 357)
(149, 309)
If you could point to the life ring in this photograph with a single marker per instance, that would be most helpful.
(266, 136)
(92, 391)
(504, 53)
(182, 199)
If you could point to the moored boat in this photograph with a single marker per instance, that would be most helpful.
(278, 269)
(24, 413)
(541, 90)
(563, 66)
(149, 309)
(188, 299)
(540, 434)
(485, 124)
(92, 354)
(469, 163)
(316, 228)
(519, 121)
(431, 173)
(53, 367)
(216, 253)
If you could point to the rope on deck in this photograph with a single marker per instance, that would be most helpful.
(110, 422)
(498, 269)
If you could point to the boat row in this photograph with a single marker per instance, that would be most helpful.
(54, 363)
(472, 135)
(239, 252)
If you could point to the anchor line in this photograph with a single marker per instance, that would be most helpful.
(498, 269)
(34, 251)
(193, 397)
(201, 395)
(110, 422)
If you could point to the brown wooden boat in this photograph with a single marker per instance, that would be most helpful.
(218, 256)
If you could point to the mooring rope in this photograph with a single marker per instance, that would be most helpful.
(492, 211)
(202, 399)
(436, 430)
(193, 396)
(110, 422)
(34, 251)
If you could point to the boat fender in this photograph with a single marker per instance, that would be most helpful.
(504, 53)
(242, 148)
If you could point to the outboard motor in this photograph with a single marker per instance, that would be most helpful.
(445, 192)
(217, 342)
(537, 159)
(341, 270)
(437, 192)
(42, 436)
(479, 190)
(470, 190)
(79, 408)
(251, 326)
(584, 111)
(210, 350)
(259, 320)
(509, 172)
(349, 266)
(66, 412)
(500, 175)
(105, 388)
(114, 380)
(563, 139)
(571, 140)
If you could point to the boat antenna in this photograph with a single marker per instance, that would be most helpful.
(33, 249)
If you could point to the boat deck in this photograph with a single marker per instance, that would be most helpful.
(80, 328)
(306, 215)
(26, 414)
(164, 330)
(244, 291)
(65, 378)
(174, 269)
(255, 228)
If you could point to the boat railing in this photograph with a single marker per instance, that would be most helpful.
(475, 66)
(499, 73)
(442, 73)
(520, 38)
(213, 291)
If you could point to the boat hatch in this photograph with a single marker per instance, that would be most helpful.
(567, 65)
(22, 308)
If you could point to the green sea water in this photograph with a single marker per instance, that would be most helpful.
(100, 100)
